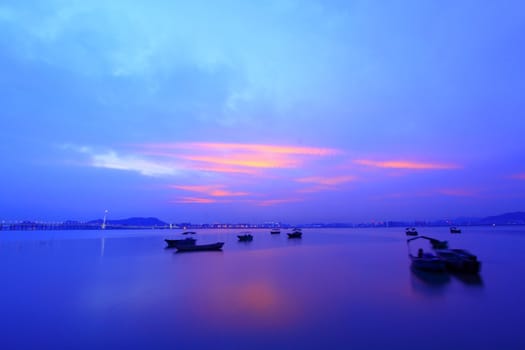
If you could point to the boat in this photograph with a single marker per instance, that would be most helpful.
(173, 243)
(459, 260)
(275, 231)
(425, 261)
(245, 237)
(199, 247)
(296, 233)
(189, 232)
(436, 243)
(411, 231)
(455, 260)
(454, 229)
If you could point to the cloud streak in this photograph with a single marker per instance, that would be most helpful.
(210, 190)
(403, 164)
(240, 158)
(328, 181)
(113, 160)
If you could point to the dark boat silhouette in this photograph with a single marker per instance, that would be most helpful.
(459, 260)
(199, 247)
(173, 243)
(296, 233)
(425, 261)
(411, 231)
(245, 237)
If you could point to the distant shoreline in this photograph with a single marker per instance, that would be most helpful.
(69, 227)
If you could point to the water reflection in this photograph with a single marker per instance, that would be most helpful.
(333, 290)
(469, 279)
(429, 283)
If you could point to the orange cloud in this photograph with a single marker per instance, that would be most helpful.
(236, 157)
(401, 164)
(254, 161)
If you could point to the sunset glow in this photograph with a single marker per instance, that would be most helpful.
(244, 148)
(280, 110)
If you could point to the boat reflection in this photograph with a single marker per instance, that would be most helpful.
(469, 279)
(429, 283)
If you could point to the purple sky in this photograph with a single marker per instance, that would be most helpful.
(295, 111)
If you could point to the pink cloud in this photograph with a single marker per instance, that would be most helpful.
(210, 190)
(196, 200)
(329, 181)
(250, 160)
(246, 147)
(236, 157)
(270, 202)
(402, 164)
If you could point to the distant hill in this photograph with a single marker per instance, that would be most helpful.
(137, 221)
(516, 218)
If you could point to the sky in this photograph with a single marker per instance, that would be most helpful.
(257, 111)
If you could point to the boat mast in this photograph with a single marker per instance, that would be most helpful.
(104, 220)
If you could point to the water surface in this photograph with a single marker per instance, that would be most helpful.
(333, 289)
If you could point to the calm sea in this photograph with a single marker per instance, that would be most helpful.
(333, 289)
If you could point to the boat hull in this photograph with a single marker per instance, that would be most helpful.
(245, 238)
(173, 243)
(457, 260)
(200, 247)
(428, 263)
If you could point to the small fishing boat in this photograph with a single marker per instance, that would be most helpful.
(425, 261)
(173, 243)
(189, 232)
(436, 243)
(459, 260)
(454, 229)
(245, 237)
(275, 231)
(199, 247)
(411, 231)
(296, 233)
